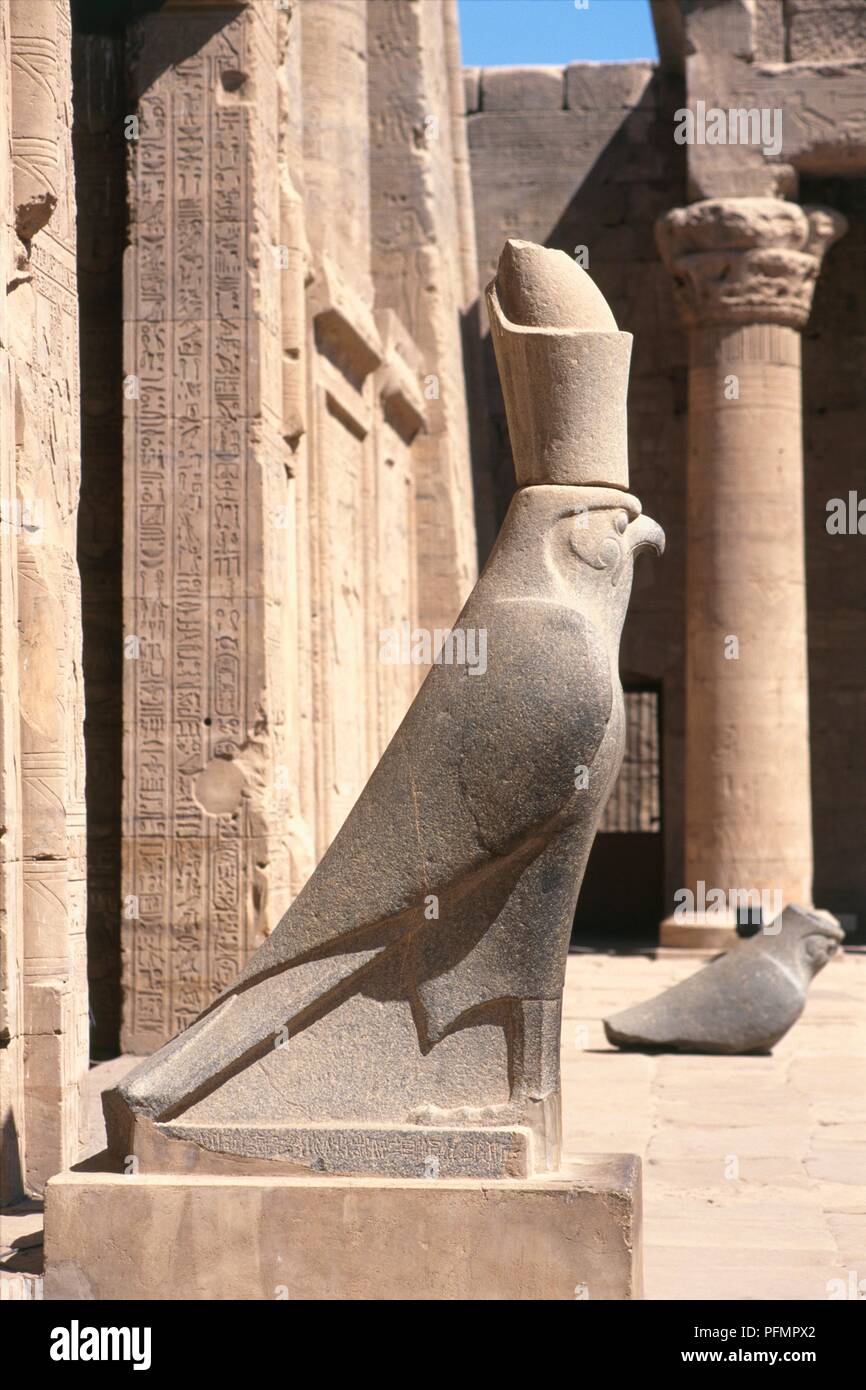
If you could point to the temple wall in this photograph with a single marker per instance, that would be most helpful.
(45, 1033)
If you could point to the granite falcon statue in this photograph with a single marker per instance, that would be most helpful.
(413, 990)
(744, 1001)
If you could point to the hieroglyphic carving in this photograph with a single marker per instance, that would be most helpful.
(197, 705)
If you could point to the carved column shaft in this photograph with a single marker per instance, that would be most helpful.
(748, 813)
(744, 271)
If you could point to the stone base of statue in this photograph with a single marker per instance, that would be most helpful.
(574, 1234)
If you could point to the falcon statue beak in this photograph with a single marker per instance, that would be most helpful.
(644, 534)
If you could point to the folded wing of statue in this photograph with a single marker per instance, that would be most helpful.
(404, 1016)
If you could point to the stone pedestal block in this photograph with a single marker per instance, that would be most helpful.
(573, 1235)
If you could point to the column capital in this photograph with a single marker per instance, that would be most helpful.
(746, 260)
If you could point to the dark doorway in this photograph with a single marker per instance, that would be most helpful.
(621, 900)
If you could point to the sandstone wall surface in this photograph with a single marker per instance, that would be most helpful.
(44, 1020)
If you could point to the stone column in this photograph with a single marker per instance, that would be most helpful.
(744, 272)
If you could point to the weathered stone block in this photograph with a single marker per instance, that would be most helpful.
(573, 1236)
(601, 86)
(521, 89)
(823, 29)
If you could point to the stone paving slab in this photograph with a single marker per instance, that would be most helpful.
(754, 1167)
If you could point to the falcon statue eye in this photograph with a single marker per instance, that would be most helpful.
(819, 947)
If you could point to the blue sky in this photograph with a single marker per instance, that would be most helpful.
(497, 32)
